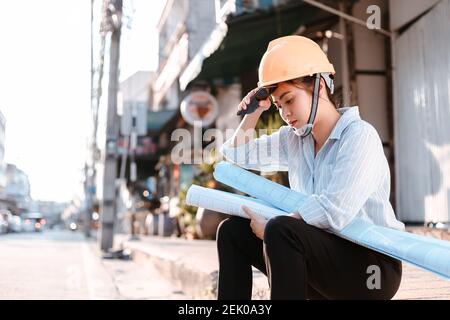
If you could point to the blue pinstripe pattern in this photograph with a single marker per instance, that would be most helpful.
(349, 177)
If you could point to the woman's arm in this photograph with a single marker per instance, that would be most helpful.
(248, 123)
(266, 153)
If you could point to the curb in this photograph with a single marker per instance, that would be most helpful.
(195, 272)
(194, 282)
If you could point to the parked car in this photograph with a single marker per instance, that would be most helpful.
(3, 224)
(33, 221)
(15, 224)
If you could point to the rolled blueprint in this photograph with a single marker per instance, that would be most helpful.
(424, 252)
(240, 179)
(228, 203)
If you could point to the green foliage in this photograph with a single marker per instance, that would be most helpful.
(204, 178)
(270, 122)
(185, 208)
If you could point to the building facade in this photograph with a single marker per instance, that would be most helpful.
(2, 154)
(399, 84)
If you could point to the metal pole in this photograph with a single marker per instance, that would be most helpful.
(133, 170)
(344, 60)
(108, 206)
(88, 172)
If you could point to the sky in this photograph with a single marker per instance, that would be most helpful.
(45, 85)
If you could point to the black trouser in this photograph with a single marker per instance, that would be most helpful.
(301, 262)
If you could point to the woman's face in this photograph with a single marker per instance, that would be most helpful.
(293, 103)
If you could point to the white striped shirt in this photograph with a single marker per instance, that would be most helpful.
(348, 178)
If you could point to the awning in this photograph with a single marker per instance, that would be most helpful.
(159, 120)
(248, 35)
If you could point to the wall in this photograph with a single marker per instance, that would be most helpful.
(403, 11)
(422, 112)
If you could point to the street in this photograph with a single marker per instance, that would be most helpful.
(63, 265)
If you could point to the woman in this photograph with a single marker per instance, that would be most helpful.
(331, 155)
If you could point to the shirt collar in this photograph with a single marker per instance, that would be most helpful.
(348, 115)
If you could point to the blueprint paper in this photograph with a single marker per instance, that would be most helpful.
(228, 203)
(277, 195)
(425, 252)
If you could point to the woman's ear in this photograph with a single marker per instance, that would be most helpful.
(323, 89)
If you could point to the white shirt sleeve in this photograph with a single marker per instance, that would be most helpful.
(266, 153)
(359, 169)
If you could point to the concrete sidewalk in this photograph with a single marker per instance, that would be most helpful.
(192, 265)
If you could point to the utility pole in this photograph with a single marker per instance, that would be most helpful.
(133, 169)
(88, 209)
(90, 167)
(112, 23)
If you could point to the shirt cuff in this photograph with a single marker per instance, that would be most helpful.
(313, 213)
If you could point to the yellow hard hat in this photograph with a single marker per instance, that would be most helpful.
(292, 57)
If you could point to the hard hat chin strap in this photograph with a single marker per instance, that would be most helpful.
(307, 128)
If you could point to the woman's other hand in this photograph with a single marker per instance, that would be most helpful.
(257, 223)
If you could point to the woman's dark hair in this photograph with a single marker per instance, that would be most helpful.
(308, 82)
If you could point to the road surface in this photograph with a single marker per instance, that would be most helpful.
(63, 265)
